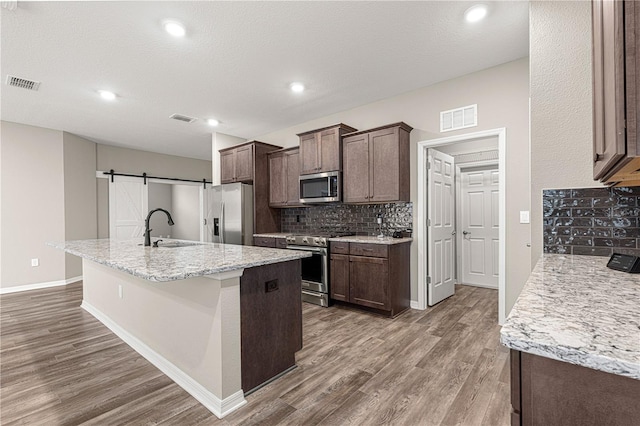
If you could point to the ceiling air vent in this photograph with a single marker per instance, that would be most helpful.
(23, 83)
(459, 118)
(184, 118)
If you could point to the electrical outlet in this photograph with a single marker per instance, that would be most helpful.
(35, 262)
(120, 291)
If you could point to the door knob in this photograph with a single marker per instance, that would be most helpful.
(453, 233)
(465, 232)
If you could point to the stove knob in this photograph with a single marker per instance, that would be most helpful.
(305, 240)
(316, 241)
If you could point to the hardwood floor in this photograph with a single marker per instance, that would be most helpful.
(443, 366)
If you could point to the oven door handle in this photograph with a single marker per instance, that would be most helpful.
(310, 249)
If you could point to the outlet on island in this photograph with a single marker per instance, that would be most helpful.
(35, 262)
(271, 286)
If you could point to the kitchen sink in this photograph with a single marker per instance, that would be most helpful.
(175, 244)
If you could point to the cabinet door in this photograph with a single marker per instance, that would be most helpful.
(339, 273)
(384, 164)
(277, 180)
(329, 150)
(309, 154)
(292, 167)
(228, 166)
(244, 164)
(609, 139)
(355, 156)
(369, 282)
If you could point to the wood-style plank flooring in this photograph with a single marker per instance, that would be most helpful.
(443, 366)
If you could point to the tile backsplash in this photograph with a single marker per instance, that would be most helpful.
(356, 218)
(592, 221)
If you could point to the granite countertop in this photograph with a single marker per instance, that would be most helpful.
(371, 239)
(273, 235)
(175, 263)
(575, 309)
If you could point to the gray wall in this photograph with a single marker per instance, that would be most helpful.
(79, 195)
(502, 95)
(33, 211)
(160, 197)
(561, 97)
(185, 211)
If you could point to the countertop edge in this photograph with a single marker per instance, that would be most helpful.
(573, 356)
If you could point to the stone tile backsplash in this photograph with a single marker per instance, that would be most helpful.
(592, 221)
(354, 218)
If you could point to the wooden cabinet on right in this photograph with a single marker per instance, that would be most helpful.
(376, 165)
(320, 150)
(545, 391)
(371, 275)
(616, 83)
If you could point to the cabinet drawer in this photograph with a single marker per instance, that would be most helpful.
(371, 250)
(281, 243)
(264, 242)
(339, 248)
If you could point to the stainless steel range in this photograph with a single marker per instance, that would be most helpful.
(315, 269)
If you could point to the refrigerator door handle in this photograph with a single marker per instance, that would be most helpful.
(222, 225)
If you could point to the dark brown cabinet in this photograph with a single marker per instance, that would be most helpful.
(273, 242)
(284, 188)
(248, 163)
(545, 391)
(371, 275)
(376, 165)
(236, 164)
(616, 82)
(320, 150)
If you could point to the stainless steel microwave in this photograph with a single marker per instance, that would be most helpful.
(320, 188)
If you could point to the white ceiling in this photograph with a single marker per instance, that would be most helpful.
(235, 63)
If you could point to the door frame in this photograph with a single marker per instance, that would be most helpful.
(421, 228)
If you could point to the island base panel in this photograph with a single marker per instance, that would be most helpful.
(271, 321)
(550, 392)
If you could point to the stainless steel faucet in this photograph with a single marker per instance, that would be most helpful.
(147, 231)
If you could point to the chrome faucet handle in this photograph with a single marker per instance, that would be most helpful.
(155, 243)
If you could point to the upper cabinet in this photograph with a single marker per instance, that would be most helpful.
(238, 163)
(320, 150)
(376, 165)
(284, 173)
(616, 82)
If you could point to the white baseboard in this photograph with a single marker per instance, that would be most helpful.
(219, 407)
(38, 286)
(415, 305)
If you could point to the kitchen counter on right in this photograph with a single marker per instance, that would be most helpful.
(575, 309)
(574, 335)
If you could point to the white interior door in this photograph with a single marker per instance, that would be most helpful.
(128, 207)
(480, 227)
(440, 227)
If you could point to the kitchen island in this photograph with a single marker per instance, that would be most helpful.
(574, 335)
(220, 320)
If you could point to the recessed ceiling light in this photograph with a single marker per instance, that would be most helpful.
(107, 95)
(174, 28)
(297, 87)
(213, 122)
(475, 13)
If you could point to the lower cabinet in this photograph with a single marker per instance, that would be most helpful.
(371, 275)
(272, 242)
(549, 392)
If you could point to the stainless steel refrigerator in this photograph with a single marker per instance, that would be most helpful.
(228, 214)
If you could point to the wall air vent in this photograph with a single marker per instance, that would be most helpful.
(23, 83)
(459, 118)
(184, 118)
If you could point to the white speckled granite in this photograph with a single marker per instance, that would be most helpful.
(273, 235)
(169, 264)
(575, 309)
(371, 240)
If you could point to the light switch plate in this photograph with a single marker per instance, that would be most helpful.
(524, 216)
(35, 262)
